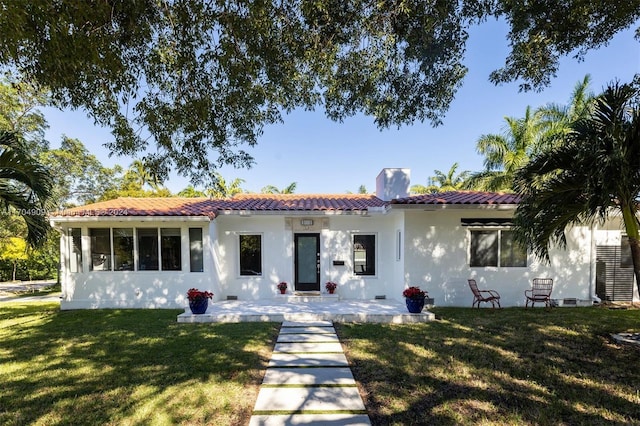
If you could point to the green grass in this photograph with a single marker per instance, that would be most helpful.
(499, 367)
(493, 367)
(127, 367)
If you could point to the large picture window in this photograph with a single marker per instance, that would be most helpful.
(496, 248)
(250, 254)
(157, 248)
(364, 254)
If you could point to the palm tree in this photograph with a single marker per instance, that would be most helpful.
(505, 154)
(221, 189)
(25, 186)
(556, 120)
(191, 192)
(443, 182)
(270, 189)
(140, 173)
(593, 173)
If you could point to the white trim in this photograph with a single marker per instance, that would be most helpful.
(499, 230)
(238, 270)
(90, 219)
(249, 213)
(437, 207)
(377, 253)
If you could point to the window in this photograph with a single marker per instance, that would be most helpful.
(147, 249)
(75, 250)
(364, 254)
(171, 254)
(195, 249)
(123, 249)
(100, 249)
(512, 254)
(153, 245)
(496, 248)
(250, 255)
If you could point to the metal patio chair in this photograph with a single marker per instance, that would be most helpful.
(488, 296)
(540, 292)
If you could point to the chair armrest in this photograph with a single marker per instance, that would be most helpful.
(492, 293)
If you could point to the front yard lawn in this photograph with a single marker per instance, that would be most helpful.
(492, 367)
(127, 367)
(499, 367)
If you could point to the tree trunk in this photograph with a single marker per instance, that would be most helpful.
(635, 256)
(15, 267)
(633, 233)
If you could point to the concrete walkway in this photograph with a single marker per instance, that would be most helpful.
(281, 310)
(308, 380)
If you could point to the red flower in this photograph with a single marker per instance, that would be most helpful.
(194, 294)
(414, 293)
(331, 286)
(282, 286)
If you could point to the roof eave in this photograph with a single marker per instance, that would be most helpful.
(436, 207)
(158, 218)
(247, 213)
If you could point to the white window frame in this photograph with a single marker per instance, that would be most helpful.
(376, 254)
(238, 248)
(499, 230)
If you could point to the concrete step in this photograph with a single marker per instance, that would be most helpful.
(309, 376)
(307, 330)
(283, 338)
(308, 347)
(307, 324)
(311, 420)
(298, 399)
(308, 360)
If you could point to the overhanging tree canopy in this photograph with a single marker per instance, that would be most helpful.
(191, 82)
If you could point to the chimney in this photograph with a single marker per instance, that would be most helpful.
(393, 183)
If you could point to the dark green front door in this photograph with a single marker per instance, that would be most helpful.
(307, 259)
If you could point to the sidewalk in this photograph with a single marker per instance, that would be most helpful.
(308, 380)
(13, 291)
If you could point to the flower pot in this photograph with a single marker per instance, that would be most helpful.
(415, 305)
(331, 291)
(283, 290)
(199, 306)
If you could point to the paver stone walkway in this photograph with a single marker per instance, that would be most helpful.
(308, 380)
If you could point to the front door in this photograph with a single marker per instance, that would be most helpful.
(307, 262)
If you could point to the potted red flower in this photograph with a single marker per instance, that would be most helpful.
(198, 300)
(331, 287)
(414, 297)
(282, 286)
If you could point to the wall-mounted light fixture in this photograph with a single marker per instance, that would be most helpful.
(306, 222)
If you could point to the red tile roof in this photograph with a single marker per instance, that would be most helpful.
(128, 206)
(296, 202)
(461, 197)
(174, 206)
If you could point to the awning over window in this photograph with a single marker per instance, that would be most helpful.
(486, 222)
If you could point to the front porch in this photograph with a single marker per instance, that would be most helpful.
(282, 309)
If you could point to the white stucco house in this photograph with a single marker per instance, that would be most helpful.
(147, 252)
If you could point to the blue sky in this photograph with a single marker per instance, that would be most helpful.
(323, 156)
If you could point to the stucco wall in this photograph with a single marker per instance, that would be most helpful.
(437, 259)
(414, 247)
(278, 257)
(133, 289)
